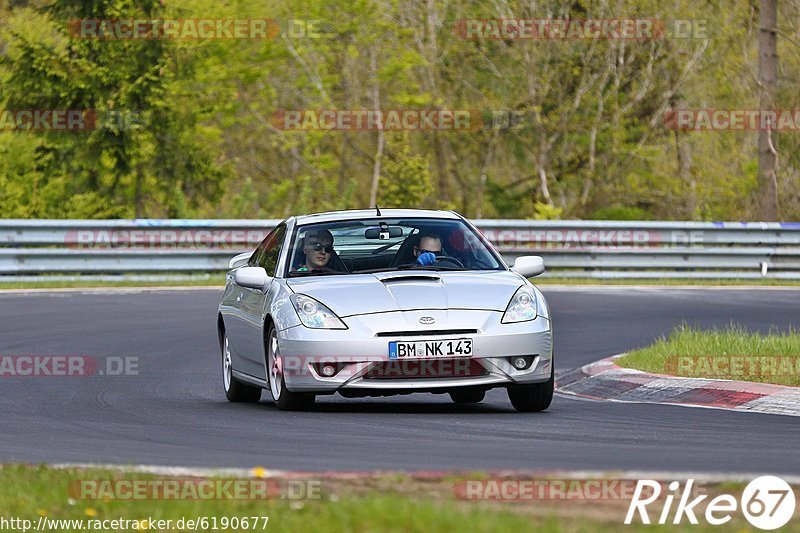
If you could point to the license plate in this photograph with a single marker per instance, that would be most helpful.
(422, 349)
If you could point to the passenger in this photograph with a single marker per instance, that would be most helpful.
(318, 249)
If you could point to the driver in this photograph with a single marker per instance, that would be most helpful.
(429, 247)
(318, 249)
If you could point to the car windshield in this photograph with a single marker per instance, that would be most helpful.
(385, 245)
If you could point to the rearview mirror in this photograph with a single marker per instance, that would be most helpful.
(383, 233)
(252, 277)
(528, 265)
(239, 260)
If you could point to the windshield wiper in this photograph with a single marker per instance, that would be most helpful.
(373, 270)
(427, 267)
(433, 268)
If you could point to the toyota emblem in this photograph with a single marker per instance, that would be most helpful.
(427, 320)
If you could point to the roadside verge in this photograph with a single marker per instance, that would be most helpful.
(605, 380)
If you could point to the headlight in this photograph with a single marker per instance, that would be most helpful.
(522, 306)
(313, 314)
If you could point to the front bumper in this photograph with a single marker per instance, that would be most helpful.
(361, 353)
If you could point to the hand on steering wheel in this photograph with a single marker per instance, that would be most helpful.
(449, 259)
(426, 258)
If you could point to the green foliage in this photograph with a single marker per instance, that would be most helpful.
(149, 162)
(405, 181)
(590, 140)
(512, 201)
(620, 212)
(546, 212)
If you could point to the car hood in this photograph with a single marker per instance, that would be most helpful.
(358, 294)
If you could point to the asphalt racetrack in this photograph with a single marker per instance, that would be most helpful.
(174, 411)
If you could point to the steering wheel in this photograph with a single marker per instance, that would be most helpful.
(449, 259)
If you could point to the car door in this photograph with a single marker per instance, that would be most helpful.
(246, 331)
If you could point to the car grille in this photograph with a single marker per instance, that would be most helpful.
(427, 368)
(426, 332)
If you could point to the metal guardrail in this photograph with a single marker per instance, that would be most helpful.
(597, 249)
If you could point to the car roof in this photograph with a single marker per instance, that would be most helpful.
(356, 214)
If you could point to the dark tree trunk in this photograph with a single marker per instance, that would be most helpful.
(767, 70)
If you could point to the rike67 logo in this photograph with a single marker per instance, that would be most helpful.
(767, 502)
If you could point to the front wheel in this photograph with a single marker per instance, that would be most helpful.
(533, 398)
(235, 390)
(286, 400)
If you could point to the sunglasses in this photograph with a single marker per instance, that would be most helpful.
(434, 252)
(319, 247)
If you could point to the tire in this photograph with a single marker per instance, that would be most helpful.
(285, 399)
(467, 395)
(235, 390)
(533, 398)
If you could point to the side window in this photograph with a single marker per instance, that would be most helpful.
(268, 240)
(268, 258)
(270, 247)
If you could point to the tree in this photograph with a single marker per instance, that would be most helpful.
(121, 168)
(767, 71)
(588, 137)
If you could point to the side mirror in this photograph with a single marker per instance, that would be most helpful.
(529, 265)
(239, 260)
(251, 277)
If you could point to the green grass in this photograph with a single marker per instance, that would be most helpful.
(377, 504)
(731, 353)
(30, 492)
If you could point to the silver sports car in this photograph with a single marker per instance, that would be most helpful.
(381, 302)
